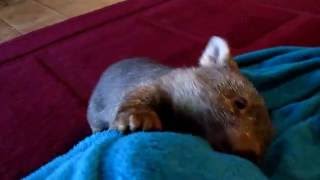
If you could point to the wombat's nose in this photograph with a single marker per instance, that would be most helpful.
(256, 148)
(253, 155)
(248, 148)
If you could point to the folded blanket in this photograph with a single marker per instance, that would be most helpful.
(288, 78)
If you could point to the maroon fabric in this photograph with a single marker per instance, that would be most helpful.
(46, 77)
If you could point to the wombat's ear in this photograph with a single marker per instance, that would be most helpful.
(216, 53)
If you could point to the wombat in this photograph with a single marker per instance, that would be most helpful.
(213, 101)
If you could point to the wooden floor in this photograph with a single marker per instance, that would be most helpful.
(18, 17)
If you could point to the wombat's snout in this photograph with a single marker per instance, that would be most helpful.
(248, 147)
(248, 144)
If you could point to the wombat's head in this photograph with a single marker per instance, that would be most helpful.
(237, 120)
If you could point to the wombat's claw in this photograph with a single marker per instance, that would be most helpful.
(137, 118)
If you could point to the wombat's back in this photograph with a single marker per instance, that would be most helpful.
(114, 83)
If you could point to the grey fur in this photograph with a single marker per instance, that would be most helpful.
(115, 83)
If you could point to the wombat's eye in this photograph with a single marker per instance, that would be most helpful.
(240, 102)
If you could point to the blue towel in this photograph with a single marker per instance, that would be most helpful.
(288, 78)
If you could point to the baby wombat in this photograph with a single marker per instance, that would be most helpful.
(213, 101)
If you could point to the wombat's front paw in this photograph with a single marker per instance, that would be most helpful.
(137, 118)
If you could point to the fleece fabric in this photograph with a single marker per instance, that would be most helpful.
(289, 80)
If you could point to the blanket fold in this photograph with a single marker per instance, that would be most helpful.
(289, 79)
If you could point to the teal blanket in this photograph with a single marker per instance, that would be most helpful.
(288, 78)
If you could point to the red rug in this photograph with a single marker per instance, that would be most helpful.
(46, 77)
